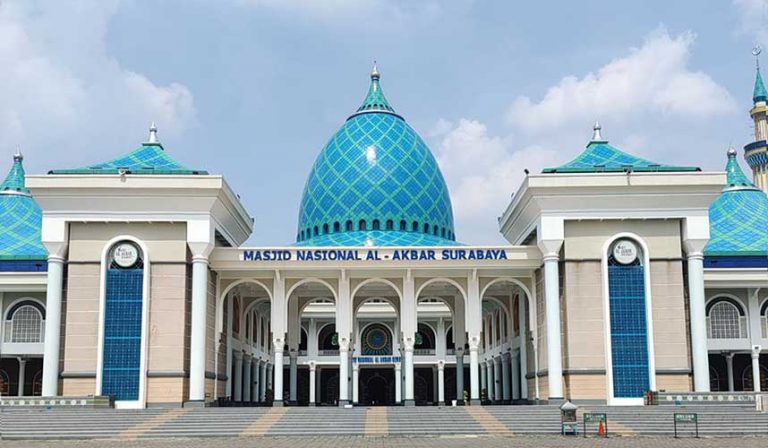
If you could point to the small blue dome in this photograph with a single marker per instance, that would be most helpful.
(375, 175)
(737, 218)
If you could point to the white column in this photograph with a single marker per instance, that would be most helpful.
(498, 381)
(523, 365)
(408, 343)
(491, 383)
(277, 356)
(228, 338)
(355, 383)
(474, 370)
(247, 378)
(52, 326)
(312, 339)
(255, 382)
(484, 378)
(398, 383)
(343, 370)
(729, 369)
(262, 381)
(554, 343)
(312, 379)
(199, 327)
(505, 383)
(698, 322)
(22, 375)
(270, 383)
(441, 382)
(238, 375)
(293, 376)
(459, 351)
(756, 368)
(515, 370)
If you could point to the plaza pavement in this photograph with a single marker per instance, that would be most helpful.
(404, 442)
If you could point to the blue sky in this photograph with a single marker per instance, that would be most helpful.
(253, 89)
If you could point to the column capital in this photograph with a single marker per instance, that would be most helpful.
(756, 349)
(408, 343)
(238, 355)
(474, 343)
(440, 364)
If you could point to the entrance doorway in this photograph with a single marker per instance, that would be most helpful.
(377, 386)
(329, 386)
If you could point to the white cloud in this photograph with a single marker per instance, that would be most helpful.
(342, 10)
(654, 78)
(644, 96)
(64, 98)
(753, 15)
(482, 171)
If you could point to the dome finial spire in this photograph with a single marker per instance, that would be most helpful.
(759, 93)
(152, 133)
(18, 156)
(596, 135)
(375, 72)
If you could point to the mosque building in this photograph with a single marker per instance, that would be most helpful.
(129, 279)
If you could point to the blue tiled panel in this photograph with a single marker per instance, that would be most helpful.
(629, 332)
(122, 333)
(23, 266)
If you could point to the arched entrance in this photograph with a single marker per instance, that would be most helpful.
(378, 387)
(376, 343)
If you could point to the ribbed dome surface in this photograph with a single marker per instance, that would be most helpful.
(375, 175)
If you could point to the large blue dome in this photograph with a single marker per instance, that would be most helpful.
(375, 183)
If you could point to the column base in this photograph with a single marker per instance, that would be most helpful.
(194, 404)
(343, 403)
(556, 400)
(474, 402)
(277, 403)
(409, 402)
(441, 403)
(311, 405)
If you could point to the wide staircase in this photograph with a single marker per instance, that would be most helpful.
(361, 421)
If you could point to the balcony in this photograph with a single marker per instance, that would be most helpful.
(24, 335)
(328, 353)
(731, 329)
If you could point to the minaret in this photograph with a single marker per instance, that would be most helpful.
(756, 153)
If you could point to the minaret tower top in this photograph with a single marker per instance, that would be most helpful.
(756, 153)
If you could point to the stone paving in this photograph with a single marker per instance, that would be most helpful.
(405, 442)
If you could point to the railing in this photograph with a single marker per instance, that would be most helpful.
(424, 351)
(729, 333)
(28, 338)
(450, 351)
(328, 353)
(302, 353)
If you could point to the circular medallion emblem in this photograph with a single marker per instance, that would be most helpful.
(125, 255)
(625, 252)
(377, 339)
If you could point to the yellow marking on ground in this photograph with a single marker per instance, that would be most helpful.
(491, 424)
(376, 422)
(137, 430)
(263, 423)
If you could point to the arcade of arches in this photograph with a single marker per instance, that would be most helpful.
(408, 340)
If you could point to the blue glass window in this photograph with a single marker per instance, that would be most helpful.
(122, 331)
(629, 332)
